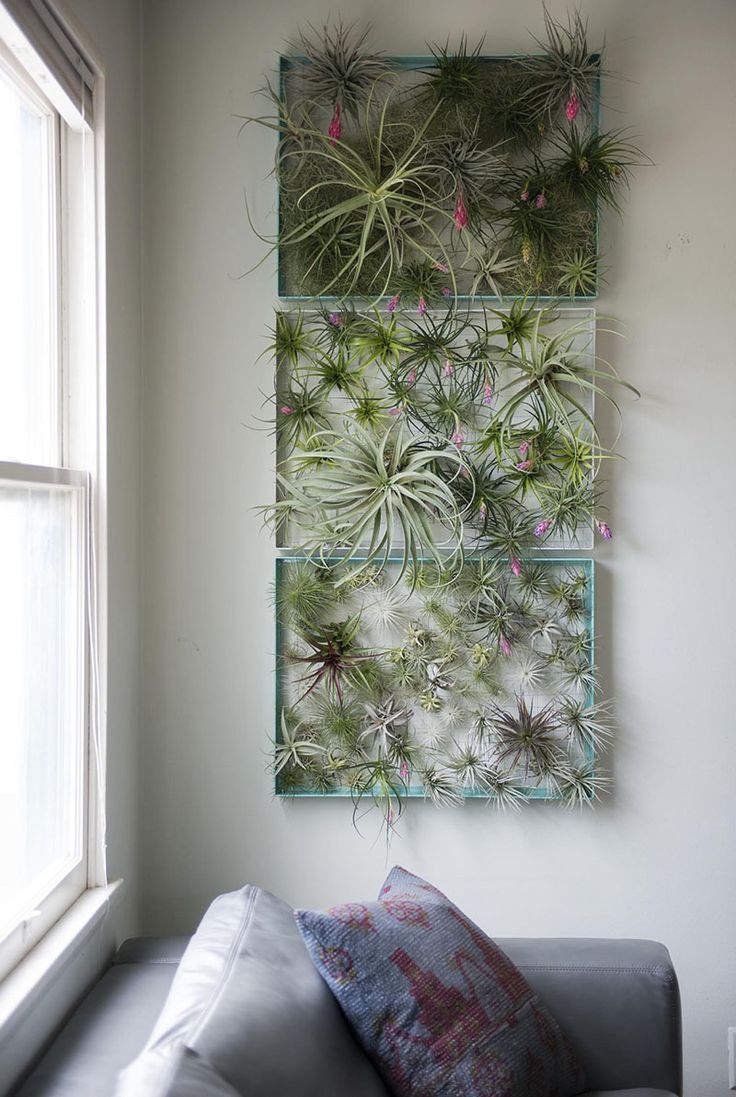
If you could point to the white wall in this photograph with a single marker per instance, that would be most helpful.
(657, 859)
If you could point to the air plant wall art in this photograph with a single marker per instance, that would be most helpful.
(475, 684)
(455, 173)
(439, 465)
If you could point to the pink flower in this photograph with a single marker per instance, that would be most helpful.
(422, 306)
(504, 645)
(461, 213)
(540, 201)
(334, 131)
(411, 378)
(392, 303)
(395, 411)
(336, 319)
(458, 439)
(573, 107)
(404, 771)
(446, 291)
(524, 466)
(448, 370)
(542, 528)
(604, 529)
(482, 510)
(516, 566)
(523, 449)
(390, 817)
(524, 196)
(286, 410)
(487, 392)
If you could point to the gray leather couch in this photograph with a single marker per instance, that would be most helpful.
(617, 1000)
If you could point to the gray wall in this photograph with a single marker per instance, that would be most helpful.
(657, 858)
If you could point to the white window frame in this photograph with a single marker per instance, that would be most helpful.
(78, 158)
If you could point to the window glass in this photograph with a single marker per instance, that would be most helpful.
(28, 281)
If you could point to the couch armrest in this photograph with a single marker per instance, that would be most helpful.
(617, 1000)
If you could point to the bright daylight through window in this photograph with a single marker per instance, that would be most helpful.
(48, 414)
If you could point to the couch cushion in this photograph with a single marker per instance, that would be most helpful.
(436, 1004)
(248, 1010)
(105, 1032)
(628, 1093)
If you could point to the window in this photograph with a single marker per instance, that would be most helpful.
(50, 462)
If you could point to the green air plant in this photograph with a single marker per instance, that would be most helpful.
(577, 273)
(374, 494)
(594, 167)
(454, 80)
(490, 267)
(292, 342)
(553, 377)
(337, 70)
(301, 413)
(361, 208)
(419, 281)
(304, 593)
(567, 72)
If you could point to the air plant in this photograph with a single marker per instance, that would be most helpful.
(295, 747)
(589, 725)
(373, 489)
(367, 205)
(489, 269)
(385, 725)
(292, 341)
(476, 169)
(301, 413)
(381, 341)
(579, 785)
(338, 371)
(567, 71)
(554, 377)
(439, 786)
(339, 721)
(470, 767)
(368, 410)
(419, 280)
(453, 81)
(304, 593)
(386, 611)
(337, 70)
(332, 657)
(577, 273)
(528, 741)
(593, 167)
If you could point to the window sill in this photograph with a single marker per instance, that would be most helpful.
(21, 990)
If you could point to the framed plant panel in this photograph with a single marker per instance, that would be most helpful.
(392, 688)
(437, 434)
(456, 172)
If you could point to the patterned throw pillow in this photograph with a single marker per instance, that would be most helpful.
(440, 1009)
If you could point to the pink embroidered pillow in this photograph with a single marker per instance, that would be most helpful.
(438, 1007)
